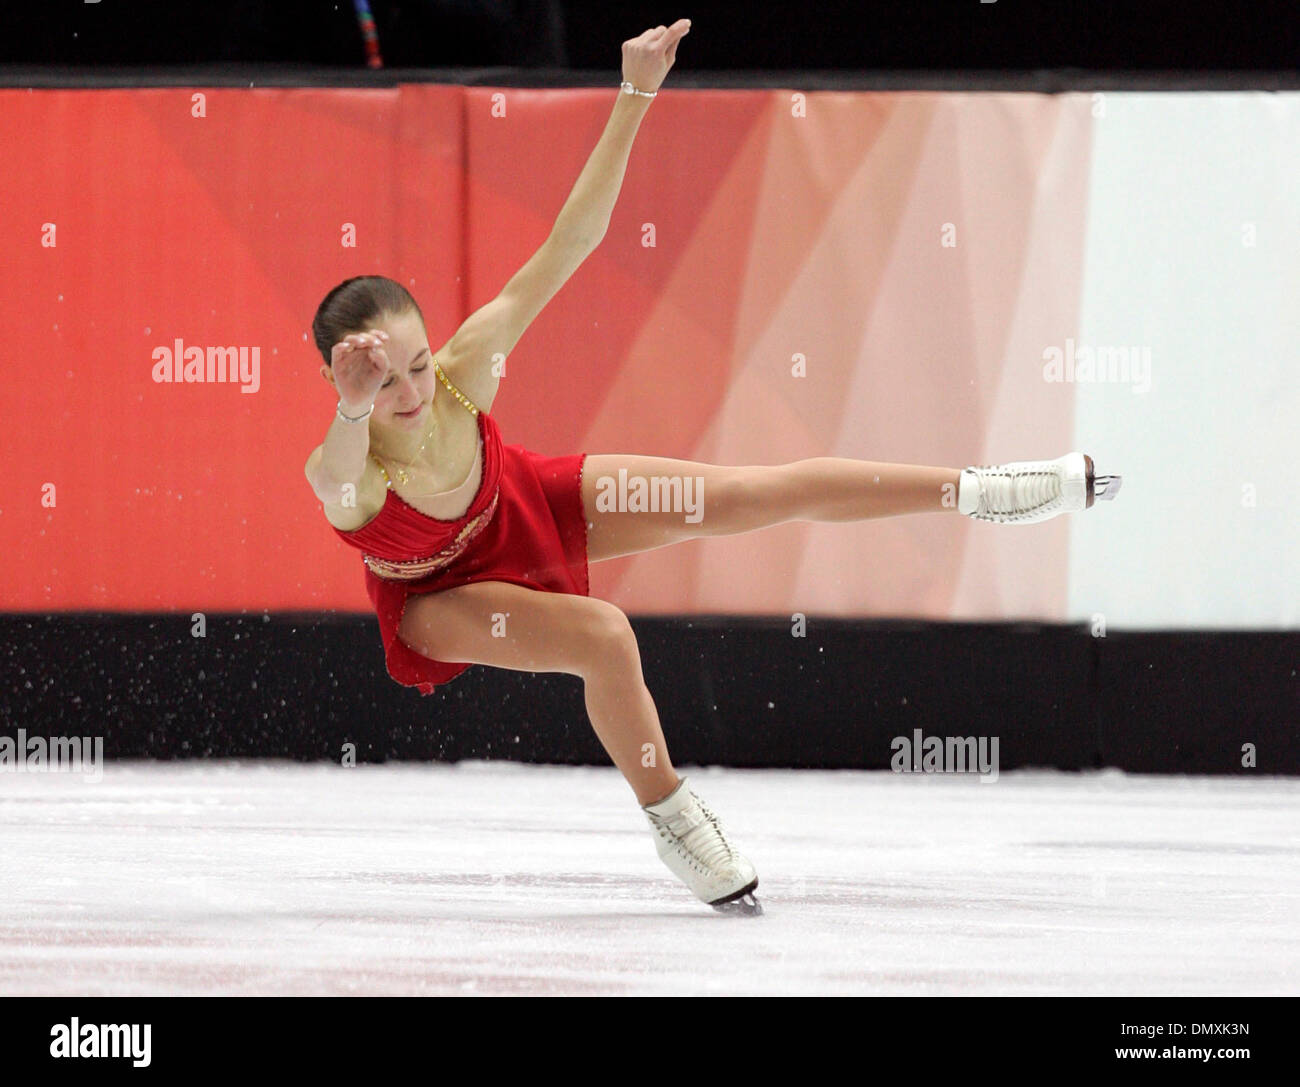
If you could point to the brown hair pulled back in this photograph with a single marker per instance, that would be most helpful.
(354, 306)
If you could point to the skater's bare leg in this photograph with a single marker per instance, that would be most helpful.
(735, 499)
(509, 626)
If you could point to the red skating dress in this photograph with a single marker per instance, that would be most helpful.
(525, 526)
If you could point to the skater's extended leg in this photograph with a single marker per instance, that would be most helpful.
(696, 499)
(509, 626)
(635, 503)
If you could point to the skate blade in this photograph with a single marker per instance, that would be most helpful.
(742, 902)
(1108, 487)
(1103, 487)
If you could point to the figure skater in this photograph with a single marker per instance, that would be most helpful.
(476, 552)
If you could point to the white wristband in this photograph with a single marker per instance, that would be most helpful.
(627, 88)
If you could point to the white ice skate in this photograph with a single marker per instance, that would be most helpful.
(690, 841)
(1024, 492)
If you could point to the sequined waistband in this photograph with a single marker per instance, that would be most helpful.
(413, 569)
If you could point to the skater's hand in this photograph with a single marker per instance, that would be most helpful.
(646, 59)
(359, 362)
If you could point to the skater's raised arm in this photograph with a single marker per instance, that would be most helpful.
(491, 332)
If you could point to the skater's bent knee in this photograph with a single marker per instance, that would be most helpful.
(535, 631)
(605, 623)
(607, 635)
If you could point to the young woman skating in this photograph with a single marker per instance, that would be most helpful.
(476, 552)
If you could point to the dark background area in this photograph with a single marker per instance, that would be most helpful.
(581, 34)
(733, 691)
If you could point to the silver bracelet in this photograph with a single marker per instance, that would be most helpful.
(627, 88)
(338, 410)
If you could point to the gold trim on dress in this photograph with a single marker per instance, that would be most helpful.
(412, 569)
(464, 400)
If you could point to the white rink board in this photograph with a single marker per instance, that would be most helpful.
(495, 878)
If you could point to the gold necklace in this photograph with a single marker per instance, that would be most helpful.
(403, 476)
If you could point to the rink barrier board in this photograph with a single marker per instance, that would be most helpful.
(730, 691)
(183, 228)
(780, 234)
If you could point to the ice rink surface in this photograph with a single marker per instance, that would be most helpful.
(495, 878)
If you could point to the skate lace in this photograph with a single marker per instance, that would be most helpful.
(697, 832)
(1007, 492)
